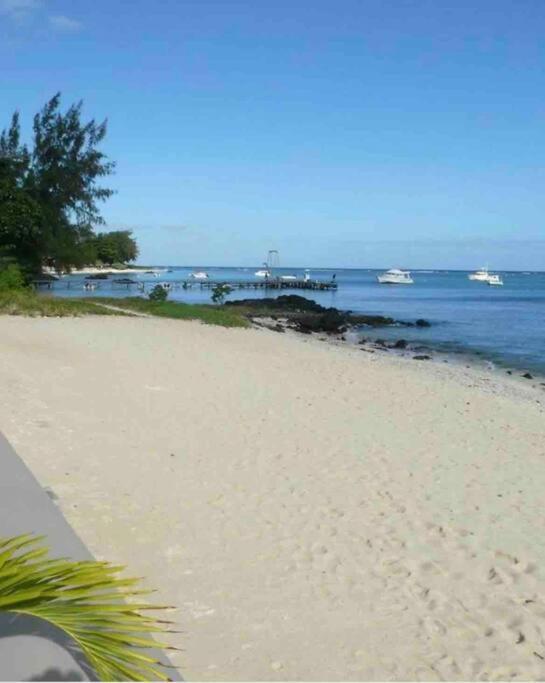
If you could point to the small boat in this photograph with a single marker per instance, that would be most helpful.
(395, 277)
(269, 264)
(495, 280)
(481, 275)
(199, 275)
(288, 277)
(124, 281)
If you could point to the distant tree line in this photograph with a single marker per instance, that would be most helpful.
(50, 194)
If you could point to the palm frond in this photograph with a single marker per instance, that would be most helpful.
(89, 602)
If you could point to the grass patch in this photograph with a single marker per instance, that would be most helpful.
(211, 315)
(27, 302)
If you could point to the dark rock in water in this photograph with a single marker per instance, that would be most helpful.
(422, 323)
(279, 328)
(331, 321)
(509, 372)
(372, 320)
(527, 375)
(400, 344)
(380, 342)
(285, 302)
(307, 316)
(423, 357)
(362, 341)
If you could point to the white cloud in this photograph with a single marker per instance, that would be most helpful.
(18, 9)
(62, 23)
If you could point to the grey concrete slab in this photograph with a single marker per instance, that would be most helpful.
(30, 649)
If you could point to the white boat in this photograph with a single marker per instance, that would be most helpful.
(288, 277)
(269, 265)
(395, 277)
(199, 275)
(480, 275)
(495, 280)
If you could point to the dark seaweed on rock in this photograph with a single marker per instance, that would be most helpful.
(307, 316)
(285, 303)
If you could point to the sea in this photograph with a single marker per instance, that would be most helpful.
(502, 325)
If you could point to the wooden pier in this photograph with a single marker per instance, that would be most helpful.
(145, 285)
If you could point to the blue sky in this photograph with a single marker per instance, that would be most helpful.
(347, 133)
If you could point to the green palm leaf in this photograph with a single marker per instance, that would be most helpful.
(89, 602)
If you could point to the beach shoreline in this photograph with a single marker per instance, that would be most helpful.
(374, 340)
(107, 270)
(314, 511)
(502, 323)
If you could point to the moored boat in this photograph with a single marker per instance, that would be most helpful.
(481, 275)
(395, 276)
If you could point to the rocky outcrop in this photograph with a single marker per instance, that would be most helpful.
(307, 316)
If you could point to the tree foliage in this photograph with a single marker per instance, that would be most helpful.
(50, 194)
(14, 157)
(116, 247)
(20, 224)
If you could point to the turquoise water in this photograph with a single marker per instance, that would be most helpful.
(504, 324)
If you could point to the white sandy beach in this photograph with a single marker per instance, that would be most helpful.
(315, 512)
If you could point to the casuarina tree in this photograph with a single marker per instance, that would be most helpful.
(55, 187)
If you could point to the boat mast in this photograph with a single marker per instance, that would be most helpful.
(273, 260)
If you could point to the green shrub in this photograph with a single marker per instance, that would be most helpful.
(11, 278)
(219, 292)
(158, 294)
